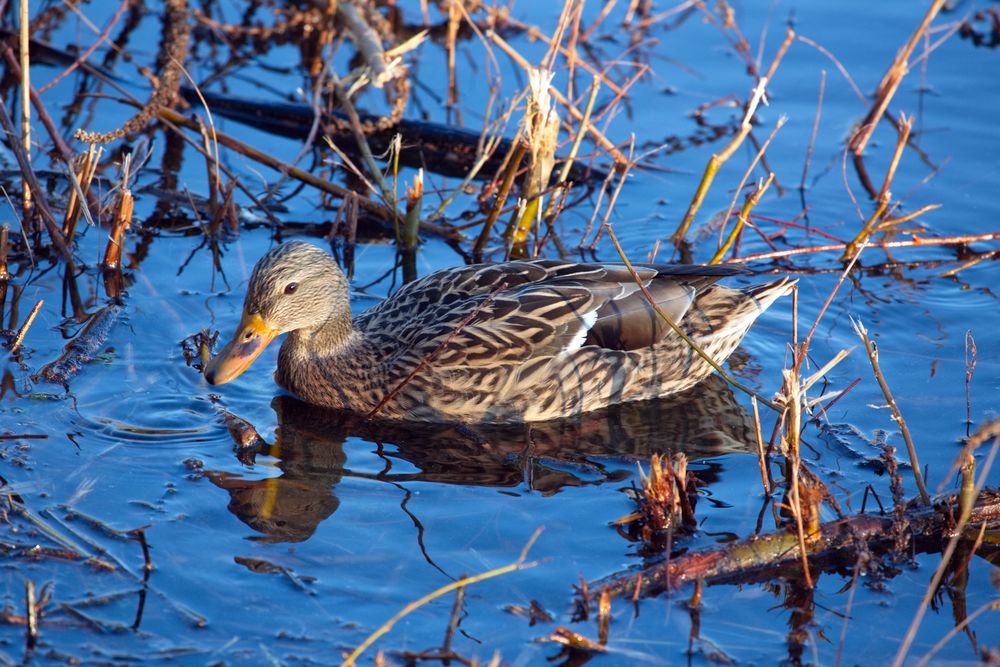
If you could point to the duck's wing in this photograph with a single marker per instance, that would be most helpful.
(545, 309)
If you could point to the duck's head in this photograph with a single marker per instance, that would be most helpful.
(294, 287)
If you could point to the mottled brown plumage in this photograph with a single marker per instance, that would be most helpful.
(561, 338)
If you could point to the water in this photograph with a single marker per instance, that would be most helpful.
(334, 526)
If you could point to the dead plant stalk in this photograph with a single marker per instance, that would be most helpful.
(718, 159)
(891, 80)
(872, 350)
(519, 564)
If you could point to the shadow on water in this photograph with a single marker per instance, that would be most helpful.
(545, 457)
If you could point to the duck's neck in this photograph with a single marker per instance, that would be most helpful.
(328, 339)
(312, 365)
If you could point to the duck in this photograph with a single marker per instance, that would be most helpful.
(510, 342)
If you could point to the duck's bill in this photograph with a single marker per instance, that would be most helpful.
(250, 339)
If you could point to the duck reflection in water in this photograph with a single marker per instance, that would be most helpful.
(543, 456)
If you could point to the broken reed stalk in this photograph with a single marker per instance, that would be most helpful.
(588, 111)
(83, 180)
(603, 616)
(872, 351)
(22, 332)
(517, 565)
(964, 518)
(120, 221)
(23, 50)
(414, 196)
(739, 188)
(753, 197)
(623, 173)
(891, 80)
(676, 329)
(718, 159)
(541, 134)
(5, 274)
(31, 634)
(884, 196)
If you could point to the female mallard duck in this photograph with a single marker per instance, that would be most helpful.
(542, 339)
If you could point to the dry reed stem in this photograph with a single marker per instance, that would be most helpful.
(717, 160)
(891, 80)
(596, 134)
(81, 184)
(992, 605)
(570, 54)
(5, 274)
(362, 142)
(739, 188)
(884, 196)
(22, 332)
(761, 457)
(963, 519)
(872, 351)
(687, 339)
(752, 198)
(517, 565)
(588, 110)
(25, 64)
(31, 636)
(603, 616)
(915, 242)
(451, 36)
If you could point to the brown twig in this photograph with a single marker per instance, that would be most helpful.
(718, 159)
(19, 338)
(915, 241)
(872, 351)
(891, 80)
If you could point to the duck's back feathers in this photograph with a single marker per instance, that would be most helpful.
(539, 308)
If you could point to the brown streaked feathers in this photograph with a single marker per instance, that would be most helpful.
(560, 339)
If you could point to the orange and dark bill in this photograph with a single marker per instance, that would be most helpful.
(248, 342)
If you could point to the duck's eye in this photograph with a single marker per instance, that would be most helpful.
(291, 287)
